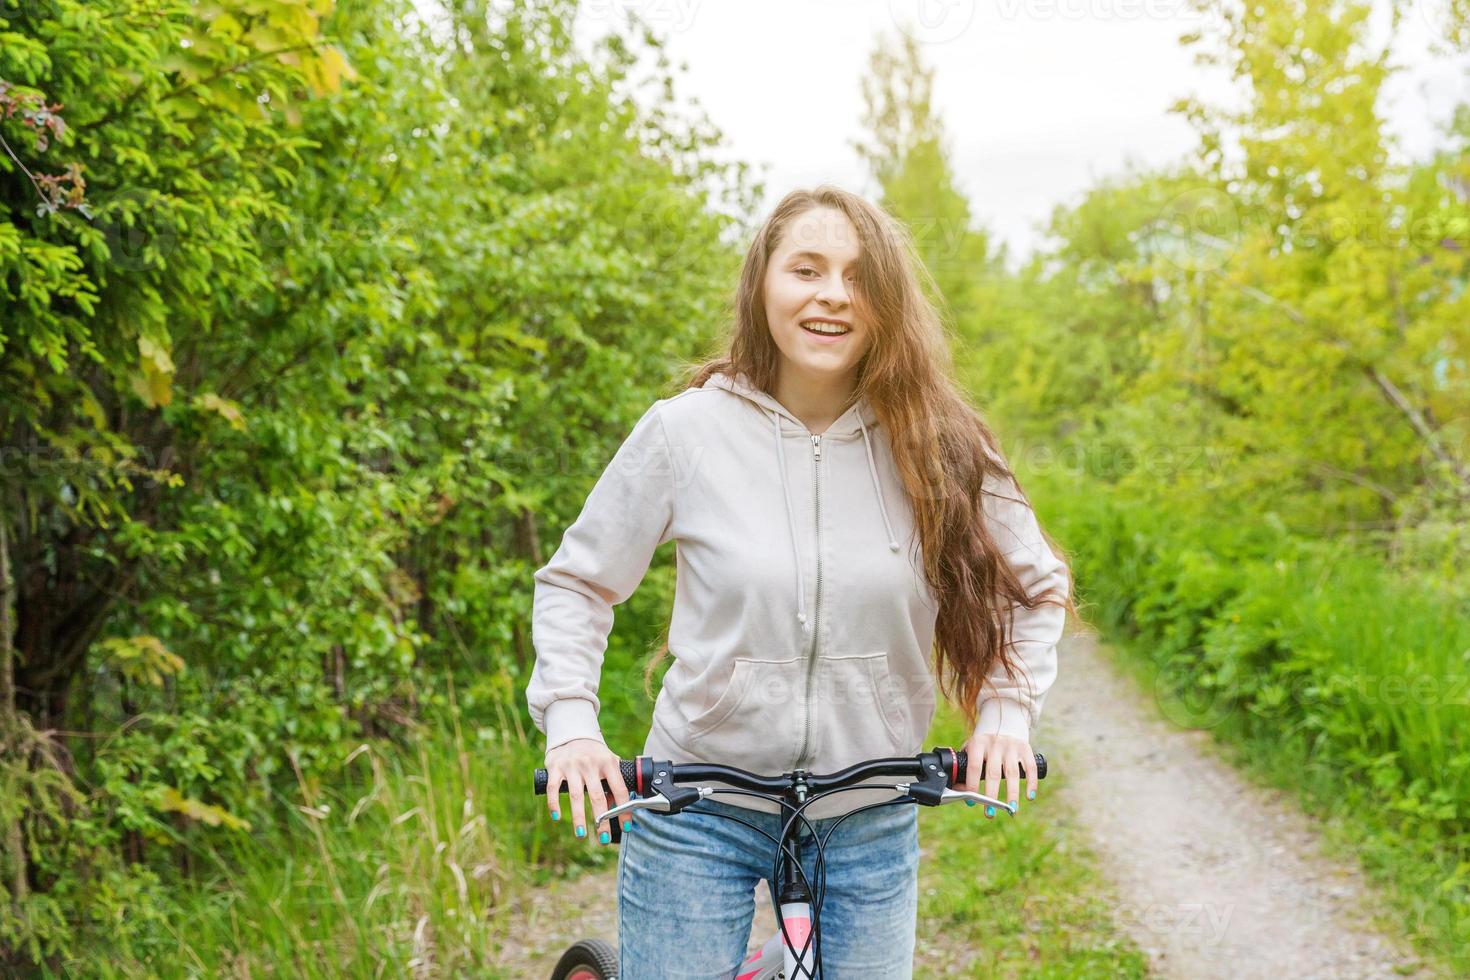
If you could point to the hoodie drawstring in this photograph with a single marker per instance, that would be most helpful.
(877, 487)
(791, 516)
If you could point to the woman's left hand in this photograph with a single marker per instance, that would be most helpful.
(1003, 757)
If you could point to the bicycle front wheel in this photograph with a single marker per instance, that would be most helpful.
(589, 959)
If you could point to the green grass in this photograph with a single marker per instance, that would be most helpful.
(400, 867)
(404, 862)
(394, 872)
(1017, 897)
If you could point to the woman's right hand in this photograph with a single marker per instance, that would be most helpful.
(584, 763)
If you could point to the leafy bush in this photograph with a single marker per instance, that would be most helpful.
(346, 318)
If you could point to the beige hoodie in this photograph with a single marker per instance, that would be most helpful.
(802, 627)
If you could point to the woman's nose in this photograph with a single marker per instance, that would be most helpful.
(833, 291)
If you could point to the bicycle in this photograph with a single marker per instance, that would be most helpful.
(655, 783)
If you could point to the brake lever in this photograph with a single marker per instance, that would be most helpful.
(658, 802)
(947, 795)
(954, 796)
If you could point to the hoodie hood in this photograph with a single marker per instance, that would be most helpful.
(854, 423)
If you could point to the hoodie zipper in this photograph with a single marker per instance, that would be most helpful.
(811, 663)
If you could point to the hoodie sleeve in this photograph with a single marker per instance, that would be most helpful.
(1012, 707)
(602, 557)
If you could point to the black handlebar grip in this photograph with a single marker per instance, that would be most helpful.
(962, 766)
(629, 768)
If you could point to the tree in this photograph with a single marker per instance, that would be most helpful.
(907, 156)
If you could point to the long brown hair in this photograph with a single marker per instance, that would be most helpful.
(942, 447)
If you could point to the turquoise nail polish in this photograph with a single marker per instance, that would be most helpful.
(627, 825)
(556, 814)
(990, 811)
(581, 831)
(603, 837)
(1031, 794)
(969, 803)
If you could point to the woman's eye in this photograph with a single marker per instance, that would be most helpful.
(852, 279)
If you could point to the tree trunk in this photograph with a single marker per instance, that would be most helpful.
(11, 749)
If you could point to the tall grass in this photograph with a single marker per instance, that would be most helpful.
(407, 862)
(397, 864)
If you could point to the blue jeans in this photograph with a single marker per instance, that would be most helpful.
(686, 891)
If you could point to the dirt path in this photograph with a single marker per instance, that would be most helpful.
(1219, 878)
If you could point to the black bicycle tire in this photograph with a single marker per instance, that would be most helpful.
(597, 954)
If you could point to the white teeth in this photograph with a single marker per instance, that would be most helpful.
(820, 327)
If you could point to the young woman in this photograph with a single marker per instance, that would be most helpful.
(792, 471)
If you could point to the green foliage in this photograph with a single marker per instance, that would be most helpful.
(1333, 674)
(352, 314)
(317, 323)
(1243, 383)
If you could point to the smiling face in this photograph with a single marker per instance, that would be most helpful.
(809, 286)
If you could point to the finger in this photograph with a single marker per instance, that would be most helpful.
(994, 762)
(1013, 778)
(574, 803)
(620, 792)
(599, 805)
(553, 791)
(976, 750)
(1030, 774)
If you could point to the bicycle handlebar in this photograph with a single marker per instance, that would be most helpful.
(639, 774)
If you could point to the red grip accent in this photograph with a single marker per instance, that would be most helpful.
(638, 768)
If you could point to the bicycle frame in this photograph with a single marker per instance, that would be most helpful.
(787, 950)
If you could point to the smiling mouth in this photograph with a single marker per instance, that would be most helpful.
(824, 328)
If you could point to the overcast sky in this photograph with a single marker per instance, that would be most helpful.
(1040, 98)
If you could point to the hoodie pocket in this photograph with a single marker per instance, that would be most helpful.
(756, 718)
(865, 713)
